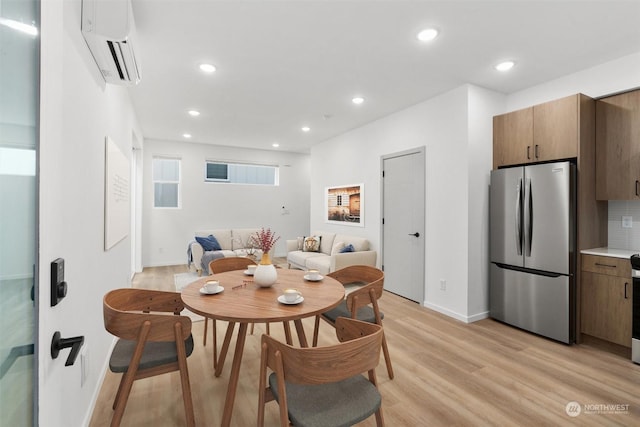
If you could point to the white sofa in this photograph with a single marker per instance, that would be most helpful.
(233, 243)
(329, 258)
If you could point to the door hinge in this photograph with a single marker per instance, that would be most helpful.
(382, 267)
(383, 174)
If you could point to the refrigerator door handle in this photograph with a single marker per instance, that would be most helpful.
(529, 222)
(519, 217)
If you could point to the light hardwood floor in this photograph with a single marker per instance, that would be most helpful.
(446, 373)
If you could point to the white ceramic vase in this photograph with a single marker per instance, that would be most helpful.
(266, 273)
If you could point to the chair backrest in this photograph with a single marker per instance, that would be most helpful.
(126, 311)
(373, 280)
(358, 352)
(220, 265)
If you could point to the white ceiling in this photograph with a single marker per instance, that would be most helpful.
(285, 64)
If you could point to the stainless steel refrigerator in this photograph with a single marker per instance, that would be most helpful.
(532, 227)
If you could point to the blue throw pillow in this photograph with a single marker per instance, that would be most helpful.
(209, 243)
(348, 248)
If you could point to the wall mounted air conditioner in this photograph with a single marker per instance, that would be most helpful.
(109, 30)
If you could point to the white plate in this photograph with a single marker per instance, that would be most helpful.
(284, 301)
(248, 273)
(317, 279)
(203, 291)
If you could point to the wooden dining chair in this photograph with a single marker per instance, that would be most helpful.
(220, 265)
(324, 385)
(361, 304)
(148, 343)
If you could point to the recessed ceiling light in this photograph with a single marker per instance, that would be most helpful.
(194, 113)
(505, 66)
(427, 34)
(208, 68)
(186, 135)
(275, 144)
(357, 100)
(306, 128)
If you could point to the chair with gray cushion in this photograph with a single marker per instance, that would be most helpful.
(324, 386)
(149, 343)
(361, 304)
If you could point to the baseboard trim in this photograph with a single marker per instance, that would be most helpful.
(457, 316)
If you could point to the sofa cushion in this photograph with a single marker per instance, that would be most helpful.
(321, 263)
(301, 258)
(223, 236)
(311, 244)
(337, 248)
(359, 243)
(326, 241)
(209, 243)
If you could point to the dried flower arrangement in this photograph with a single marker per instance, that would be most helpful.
(265, 239)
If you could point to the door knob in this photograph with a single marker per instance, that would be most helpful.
(416, 234)
(58, 343)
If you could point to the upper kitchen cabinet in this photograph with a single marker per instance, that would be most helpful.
(512, 138)
(618, 147)
(544, 132)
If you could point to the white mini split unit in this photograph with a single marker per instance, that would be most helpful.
(109, 29)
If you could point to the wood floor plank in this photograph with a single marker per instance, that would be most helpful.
(447, 373)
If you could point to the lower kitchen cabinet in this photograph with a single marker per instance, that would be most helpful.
(606, 300)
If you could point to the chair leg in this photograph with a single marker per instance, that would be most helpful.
(115, 399)
(186, 391)
(387, 358)
(379, 418)
(251, 330)
(121, 398)
(267, 326)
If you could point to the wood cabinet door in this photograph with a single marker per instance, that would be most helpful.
(618, 147)
(555, 129)
(513, 138)
(606, 307)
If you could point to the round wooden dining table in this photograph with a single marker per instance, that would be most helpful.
(243, 302)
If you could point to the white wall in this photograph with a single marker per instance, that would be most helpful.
(77, 112)
(620, 75)
(207, 205)
(483, 105)
(453, 128)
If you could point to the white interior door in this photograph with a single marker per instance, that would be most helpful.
(403, 201)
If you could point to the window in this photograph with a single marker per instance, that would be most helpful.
(237, 173)
(166, 182)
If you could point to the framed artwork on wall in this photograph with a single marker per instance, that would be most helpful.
(344, 205)
(116, 195)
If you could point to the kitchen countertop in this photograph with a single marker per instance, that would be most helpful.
(611, 252)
